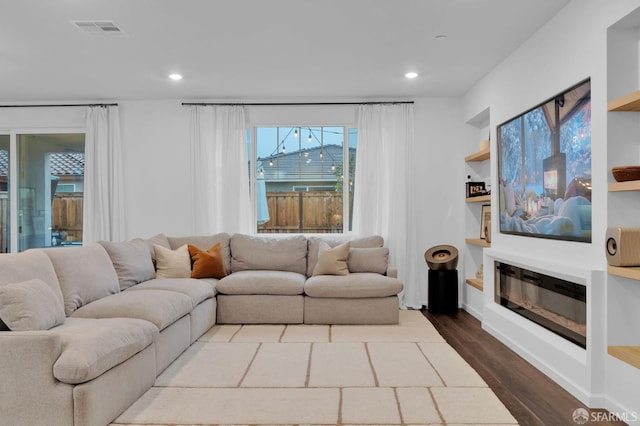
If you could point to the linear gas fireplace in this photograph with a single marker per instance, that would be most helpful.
(555, 304)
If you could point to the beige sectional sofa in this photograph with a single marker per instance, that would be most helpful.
(85, 331)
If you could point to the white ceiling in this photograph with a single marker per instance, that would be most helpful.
(258, 49)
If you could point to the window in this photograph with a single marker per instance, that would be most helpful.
(45, 207)
(300, 178)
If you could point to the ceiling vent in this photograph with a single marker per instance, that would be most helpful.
(100, 28)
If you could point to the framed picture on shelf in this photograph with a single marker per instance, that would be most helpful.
(485, 222)
(475, 189)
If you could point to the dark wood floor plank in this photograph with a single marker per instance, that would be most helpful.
(531, 396)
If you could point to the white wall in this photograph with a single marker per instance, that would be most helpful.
(571, 47)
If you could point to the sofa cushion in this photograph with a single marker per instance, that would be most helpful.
(262, 282)
(30, 264)
(160, 240)
(268, 253)
(197, 290)
(373, 259)
(85, 274)
(30, 305)
(352, 286)
(204, 242)
(332, 261)
(173, 263)
(92, 346)
(314, 244)
(131, 260)
(160, 307)
(206, 264)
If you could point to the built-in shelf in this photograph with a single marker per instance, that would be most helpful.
(477, 242)
(480, 199)
(628, 354)
(631, 272)
(475, 282)
(630, 102)
(632, 185)
(481, 155)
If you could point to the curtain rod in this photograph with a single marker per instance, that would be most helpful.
(294, 103)
(56, 105)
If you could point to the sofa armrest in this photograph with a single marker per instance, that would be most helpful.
(29, 394)
(392, 271)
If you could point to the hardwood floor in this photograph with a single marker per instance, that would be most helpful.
(532, 397)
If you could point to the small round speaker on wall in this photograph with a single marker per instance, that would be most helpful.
(442, 257)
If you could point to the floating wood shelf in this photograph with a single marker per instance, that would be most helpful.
(485, 154)
(480, 199)
(477, 242)
(474, 282)
(631, 272)
(628, 354)
(630, 102)
(632, 185)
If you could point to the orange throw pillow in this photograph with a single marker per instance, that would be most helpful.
(207, 264)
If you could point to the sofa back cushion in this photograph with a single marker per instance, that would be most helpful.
(132, 261)
(314, 244)
(268, 253)
(85, 274)
(30, 305)
(205, 243)
(373, 259)
(30, 264)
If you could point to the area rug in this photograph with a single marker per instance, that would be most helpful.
(403, 374)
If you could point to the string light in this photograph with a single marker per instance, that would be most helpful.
(310, 138)
(295, 133)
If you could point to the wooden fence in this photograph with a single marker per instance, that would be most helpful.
(66, 216)
(309, 212)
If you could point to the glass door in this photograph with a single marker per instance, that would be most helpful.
(50, 189)
(5, 237)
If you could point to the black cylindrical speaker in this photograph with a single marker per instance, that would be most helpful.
(443, 291)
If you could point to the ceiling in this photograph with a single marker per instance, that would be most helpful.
(258, 49)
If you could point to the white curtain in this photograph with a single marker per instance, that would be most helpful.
(384, 190)
(103, 213)
(219, 170)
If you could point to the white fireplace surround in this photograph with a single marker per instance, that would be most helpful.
(579, 371)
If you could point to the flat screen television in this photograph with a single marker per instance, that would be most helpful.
(544, 168)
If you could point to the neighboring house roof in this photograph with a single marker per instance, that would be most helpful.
(62, 164)
(303, 166)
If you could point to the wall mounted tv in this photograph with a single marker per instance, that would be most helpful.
(544, 168)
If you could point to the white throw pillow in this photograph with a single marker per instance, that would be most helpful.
(173, 263)
(332, 261)
(30, 305)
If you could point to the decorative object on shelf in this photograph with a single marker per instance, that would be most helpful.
(625, 173)
(545, 186)
(484, 145)
(485, 223)
(623, 246)
(475, 189)
(480, 272)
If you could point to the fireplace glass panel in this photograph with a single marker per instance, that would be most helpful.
(555, 304)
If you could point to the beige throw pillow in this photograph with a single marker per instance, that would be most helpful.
(173, 263)
(332, 261)
(29, 306)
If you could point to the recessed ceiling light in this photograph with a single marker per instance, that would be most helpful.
(441, 37)
(411, 74)
(175, 77)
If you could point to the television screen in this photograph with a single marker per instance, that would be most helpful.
(544, 168)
